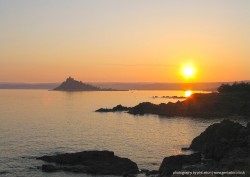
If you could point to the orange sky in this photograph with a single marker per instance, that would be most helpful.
(124, 41)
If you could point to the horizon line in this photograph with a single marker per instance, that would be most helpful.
(132, 82)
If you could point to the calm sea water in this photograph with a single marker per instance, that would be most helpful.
(40, 122)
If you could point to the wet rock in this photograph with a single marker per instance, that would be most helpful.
(225, 147)
(92, 162)
(218, 138)
(49, 168)
(236, 159)
(144, 170)
(173, 163)
(4, 172)
(152, 172)
(129, 175)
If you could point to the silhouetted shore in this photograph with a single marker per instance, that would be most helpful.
(222, 147)
(230, 100)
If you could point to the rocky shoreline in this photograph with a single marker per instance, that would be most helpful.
(210, 105)
(118, 108)
(223, 146)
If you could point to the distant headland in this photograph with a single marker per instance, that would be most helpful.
(73, 85)
(230, 100)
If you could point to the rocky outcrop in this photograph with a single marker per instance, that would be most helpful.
(173, 163)
(198, 105)
(227, 143)
(219, 138)
(118, 108)
(225, 146)
(92, 162)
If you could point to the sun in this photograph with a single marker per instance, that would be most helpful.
(188, 93)
(188, 71)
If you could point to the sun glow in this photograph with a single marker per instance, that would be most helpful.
(188, 93)
(188, 71)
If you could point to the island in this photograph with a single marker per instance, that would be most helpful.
(229, 100)
(73, 85)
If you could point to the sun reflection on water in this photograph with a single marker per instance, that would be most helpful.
(188, 93)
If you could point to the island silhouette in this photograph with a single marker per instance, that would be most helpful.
(73, 85)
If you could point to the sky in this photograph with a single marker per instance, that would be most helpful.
(124, 41)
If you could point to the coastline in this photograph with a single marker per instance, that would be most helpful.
(198, 105)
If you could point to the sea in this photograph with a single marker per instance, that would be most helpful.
(41, 122)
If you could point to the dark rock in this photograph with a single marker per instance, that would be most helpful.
(237, 158)
(185, 149)
(152, 172)
(49, 168)
(70, 168)
(144, 170)
(120, 108)
(248, 127)
(117, 108)
(173, 163)
(218, 138)
(4, 172)
(93, 162)
(198, 105)
(225, 146)
(144, 108)
(129, 175)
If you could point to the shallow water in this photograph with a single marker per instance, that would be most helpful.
(39, 122)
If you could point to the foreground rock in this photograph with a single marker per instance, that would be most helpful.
(225, 146)
(227, 143)
(219, 138)
(173, 163)
(92, 162)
